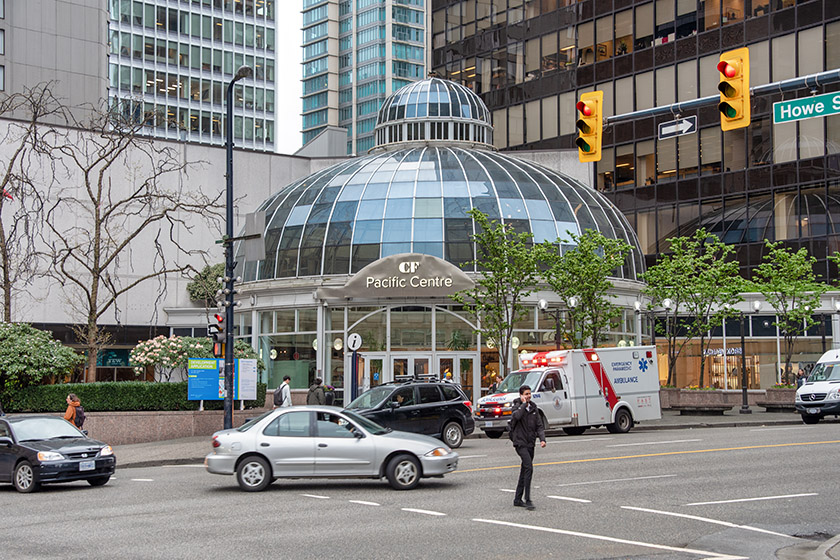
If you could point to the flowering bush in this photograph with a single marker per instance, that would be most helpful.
(696, 388)
(784, 386)
(167, 355)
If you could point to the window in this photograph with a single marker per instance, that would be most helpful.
(334, 426)
(2, 41)
(428, 394)
(450, 393)
(555, 378)
(404, 396)
(291, 424)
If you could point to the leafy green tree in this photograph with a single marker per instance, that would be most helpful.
(701, 278)
(29, 356)
(508, 265)
(168, 355)
(583, 272)
(203, 287)
(787, 281)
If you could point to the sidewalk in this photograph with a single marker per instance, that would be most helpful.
(194, 449)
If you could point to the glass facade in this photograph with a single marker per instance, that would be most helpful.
(174, 60)
(380, 45)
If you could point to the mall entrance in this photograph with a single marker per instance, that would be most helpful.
(376, 368)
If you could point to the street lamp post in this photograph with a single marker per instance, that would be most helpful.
(556, 314)
(745, 405)
(666, 303)
(230, 265)
(637, 306)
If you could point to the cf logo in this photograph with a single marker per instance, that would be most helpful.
(409, 267)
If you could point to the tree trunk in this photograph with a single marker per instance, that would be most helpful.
(702, 361)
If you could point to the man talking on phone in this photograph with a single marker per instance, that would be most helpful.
(525, 427)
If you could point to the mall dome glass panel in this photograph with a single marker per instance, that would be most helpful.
(413, 197)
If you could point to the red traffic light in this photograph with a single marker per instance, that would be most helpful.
(585, 109)
(219, 317)
(728, 69)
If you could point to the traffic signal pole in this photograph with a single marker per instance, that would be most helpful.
(812, 81)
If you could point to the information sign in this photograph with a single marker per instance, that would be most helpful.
(205, 380)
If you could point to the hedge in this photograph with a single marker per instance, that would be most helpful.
(115, 396)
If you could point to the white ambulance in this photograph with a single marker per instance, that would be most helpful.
(578, 389)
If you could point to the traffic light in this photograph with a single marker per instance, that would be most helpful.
(734, 87)
(216, 330)
(590, 125)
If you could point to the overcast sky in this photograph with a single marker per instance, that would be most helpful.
(288, 39)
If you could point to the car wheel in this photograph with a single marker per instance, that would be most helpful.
(809, 419)
(494, 434)
(453, 435)
(623, 423)
(25, 479)
(99, 480)
(574, 430)
(403, 472)
(254, 474)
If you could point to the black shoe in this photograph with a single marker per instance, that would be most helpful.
(519, 503)
(530, 505)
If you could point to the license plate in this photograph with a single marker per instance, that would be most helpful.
(87, 465)
(813, 411)
(488, 424)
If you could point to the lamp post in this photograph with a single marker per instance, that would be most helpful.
(573, 302)
(230, 265)
(637, 306)
(556, 314)
(745, 405)
(667, 303)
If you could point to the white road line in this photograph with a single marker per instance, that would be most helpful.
(772, 429)
(581, 440)
(617, 480)
(582, 501)
(506, 490)
(470, 456)
(654, 442)
(707, 520)
(364, 503)
(753, 499)
(706, 554)
(316, 496)
(196, 466)
(142, 479)
(424, 511)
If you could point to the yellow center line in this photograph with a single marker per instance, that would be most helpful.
(653, 455)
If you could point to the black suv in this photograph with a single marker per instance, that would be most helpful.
(441, 410)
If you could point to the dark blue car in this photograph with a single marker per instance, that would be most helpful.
(35, 450)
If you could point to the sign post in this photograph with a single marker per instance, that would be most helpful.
(354, 342)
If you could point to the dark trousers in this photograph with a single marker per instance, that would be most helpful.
(526, 471)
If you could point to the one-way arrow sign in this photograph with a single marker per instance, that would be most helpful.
(678, 127)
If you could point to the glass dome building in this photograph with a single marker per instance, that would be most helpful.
(338, 243)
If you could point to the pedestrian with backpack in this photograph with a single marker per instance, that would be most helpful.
(283, 394)
(74, 414)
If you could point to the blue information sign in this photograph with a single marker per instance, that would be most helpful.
(205, 380)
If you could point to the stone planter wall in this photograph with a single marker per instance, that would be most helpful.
(670, 398)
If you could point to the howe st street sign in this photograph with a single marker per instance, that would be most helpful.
(806, 108)
(678, 127)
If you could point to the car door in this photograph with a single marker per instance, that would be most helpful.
(430, 409)
(341, 448)
(553, 399)
(288, 443)
(403, 416)
(8, 455)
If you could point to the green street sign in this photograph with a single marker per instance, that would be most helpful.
(806, 108)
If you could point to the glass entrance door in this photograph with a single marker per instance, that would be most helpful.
(414, 365)
(461, 367)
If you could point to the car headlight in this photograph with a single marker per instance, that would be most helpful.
(106, 451)
(50, 456)
(438, 452)
(834, 395)
(507, 405)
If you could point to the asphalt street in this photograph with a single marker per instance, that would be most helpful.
(746, 492)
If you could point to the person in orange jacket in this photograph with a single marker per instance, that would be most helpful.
(72, 402)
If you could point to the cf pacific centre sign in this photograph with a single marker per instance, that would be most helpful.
(408, 275)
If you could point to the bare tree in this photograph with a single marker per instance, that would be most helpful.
(25, 178)
(122, 218)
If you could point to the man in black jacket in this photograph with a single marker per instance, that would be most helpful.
(525, 427)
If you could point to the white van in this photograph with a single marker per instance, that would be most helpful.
(577, 389)
(819, 396)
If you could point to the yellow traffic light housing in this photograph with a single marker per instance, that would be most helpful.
(734, 87)
(590, 125)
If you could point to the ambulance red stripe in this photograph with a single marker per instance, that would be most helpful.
(601, 376)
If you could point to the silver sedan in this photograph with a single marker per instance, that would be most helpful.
(325, 442)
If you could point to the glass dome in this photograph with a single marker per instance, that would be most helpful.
(414, 199)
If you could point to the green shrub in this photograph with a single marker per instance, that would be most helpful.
(115, 396)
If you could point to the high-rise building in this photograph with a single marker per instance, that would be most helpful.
(175, 59)
(355, 54)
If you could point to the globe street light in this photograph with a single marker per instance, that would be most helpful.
(667, 303)
(556, 314)
(637, 306)
(243, 72)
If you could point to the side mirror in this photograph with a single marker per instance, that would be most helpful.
(549, 385)
(357, 434)
(85, 432)
(6, 442)
(393, 404)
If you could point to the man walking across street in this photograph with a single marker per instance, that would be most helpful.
(283, 395)
(525, 427)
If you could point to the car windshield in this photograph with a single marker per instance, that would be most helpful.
(32, 429)
(252, 422)
(370, 399)
(366, 423)
(825, 372)
(517, 379)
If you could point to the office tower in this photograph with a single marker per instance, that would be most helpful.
(175, 59)
(355, 54)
